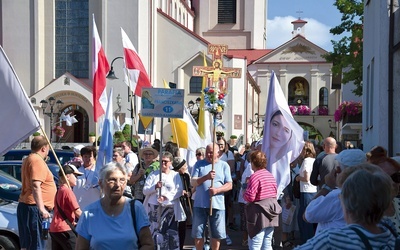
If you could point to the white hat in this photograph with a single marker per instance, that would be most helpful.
(351, 157)
(77, 149)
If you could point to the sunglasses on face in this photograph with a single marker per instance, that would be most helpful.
(198, 154)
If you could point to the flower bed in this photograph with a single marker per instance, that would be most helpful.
(347, 109)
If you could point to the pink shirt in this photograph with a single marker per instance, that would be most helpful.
(261, 185)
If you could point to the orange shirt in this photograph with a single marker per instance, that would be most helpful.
(34, 168)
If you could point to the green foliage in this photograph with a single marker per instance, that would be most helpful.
(118, 137)
(347, 52)
(233, 137)
(92, 134)
(36, 134)
(126, 131)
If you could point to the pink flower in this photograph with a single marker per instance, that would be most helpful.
(347, 108)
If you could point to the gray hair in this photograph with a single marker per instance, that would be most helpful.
(368, 208)
(107, 169)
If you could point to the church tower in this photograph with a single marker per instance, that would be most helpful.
(239, 24)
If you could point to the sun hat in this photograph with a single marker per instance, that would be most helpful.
(70, 169)
(77, 149)
(177, 163)
(142, 150)
(351, 157)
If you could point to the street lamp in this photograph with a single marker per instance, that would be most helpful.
(111, 75)
(51, 102)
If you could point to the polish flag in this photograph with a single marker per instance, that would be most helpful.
(100, 70)
(137, 75)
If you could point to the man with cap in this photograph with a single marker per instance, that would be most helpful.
(326, 209)
(146, 165)
(66, 210)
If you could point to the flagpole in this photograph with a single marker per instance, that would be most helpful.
(160, 179)
(54, 153)
(212, 164)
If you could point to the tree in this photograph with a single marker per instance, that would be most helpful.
(347, 52)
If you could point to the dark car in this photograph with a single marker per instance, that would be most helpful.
(10, 188)
(19, 154)
(8, 225)
(13, 168)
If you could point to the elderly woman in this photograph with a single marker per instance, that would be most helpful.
(361, 212)
(262, 209)
(147, 165)
(162, 203)
(118, 156)
(108, 223)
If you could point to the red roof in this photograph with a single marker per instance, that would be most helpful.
(299, 21)
(250, 54)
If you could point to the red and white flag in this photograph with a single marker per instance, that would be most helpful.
(137, 75)
(100, 70)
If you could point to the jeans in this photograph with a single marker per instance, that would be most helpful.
(306, 229)
(30, 227)
(263, 240)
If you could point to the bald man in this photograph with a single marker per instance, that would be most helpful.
(324, 165)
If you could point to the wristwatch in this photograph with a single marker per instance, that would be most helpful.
(327, 187)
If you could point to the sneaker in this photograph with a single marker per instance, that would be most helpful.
(228, 241)
(206, 247)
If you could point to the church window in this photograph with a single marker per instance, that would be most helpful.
(298, 92)
(226, 11)
(195, 84)
(323, 97)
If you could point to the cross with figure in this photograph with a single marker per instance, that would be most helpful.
(216, 74)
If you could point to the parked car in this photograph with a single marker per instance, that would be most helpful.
(18, 154)
(9, 238)
(13, 168)
(10, 188)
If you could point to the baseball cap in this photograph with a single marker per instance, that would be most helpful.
(351, 157)
(69, 169)
(77, 149)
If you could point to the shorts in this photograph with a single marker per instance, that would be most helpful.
(217, 223)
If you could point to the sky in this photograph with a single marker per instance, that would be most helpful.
(321, 16)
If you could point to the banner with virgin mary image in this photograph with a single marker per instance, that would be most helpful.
(282, 136)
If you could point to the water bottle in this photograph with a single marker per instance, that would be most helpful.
(45, 228)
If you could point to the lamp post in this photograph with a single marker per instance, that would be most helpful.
(332, 127)
(111, 75)
(51, 102)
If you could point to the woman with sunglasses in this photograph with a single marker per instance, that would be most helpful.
(162, 203)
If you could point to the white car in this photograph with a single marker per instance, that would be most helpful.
(8, 225)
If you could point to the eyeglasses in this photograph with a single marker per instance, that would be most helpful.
(113, 181)
(148, 154)
(198, 154)
(115, 155)
(165, 162)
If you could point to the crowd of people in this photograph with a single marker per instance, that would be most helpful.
(346, 200)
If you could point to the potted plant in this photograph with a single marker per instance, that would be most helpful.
(233, 140)
(92, 137)
(323, 110)
(303, 110)
(349, 110)
(58, 131)
(36, 134)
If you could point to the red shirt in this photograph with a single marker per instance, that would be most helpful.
(67, 201)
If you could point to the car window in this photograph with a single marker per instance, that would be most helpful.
(8, 182)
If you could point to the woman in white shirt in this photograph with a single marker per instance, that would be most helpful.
(307, 190)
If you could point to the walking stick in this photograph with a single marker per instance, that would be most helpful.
(212, 164)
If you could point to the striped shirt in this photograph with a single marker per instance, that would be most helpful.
(261, 185)
(346, 238)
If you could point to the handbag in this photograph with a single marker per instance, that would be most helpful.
(296, 188)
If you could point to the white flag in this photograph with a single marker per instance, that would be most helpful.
(19, 118)
(283, 137)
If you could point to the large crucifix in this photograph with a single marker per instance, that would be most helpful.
(216, 74)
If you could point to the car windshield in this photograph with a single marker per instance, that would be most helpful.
(7, 182)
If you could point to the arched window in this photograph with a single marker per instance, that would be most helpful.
(298, 90)
(195, 84)
(323, 97)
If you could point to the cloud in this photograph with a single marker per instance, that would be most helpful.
(279, 31)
